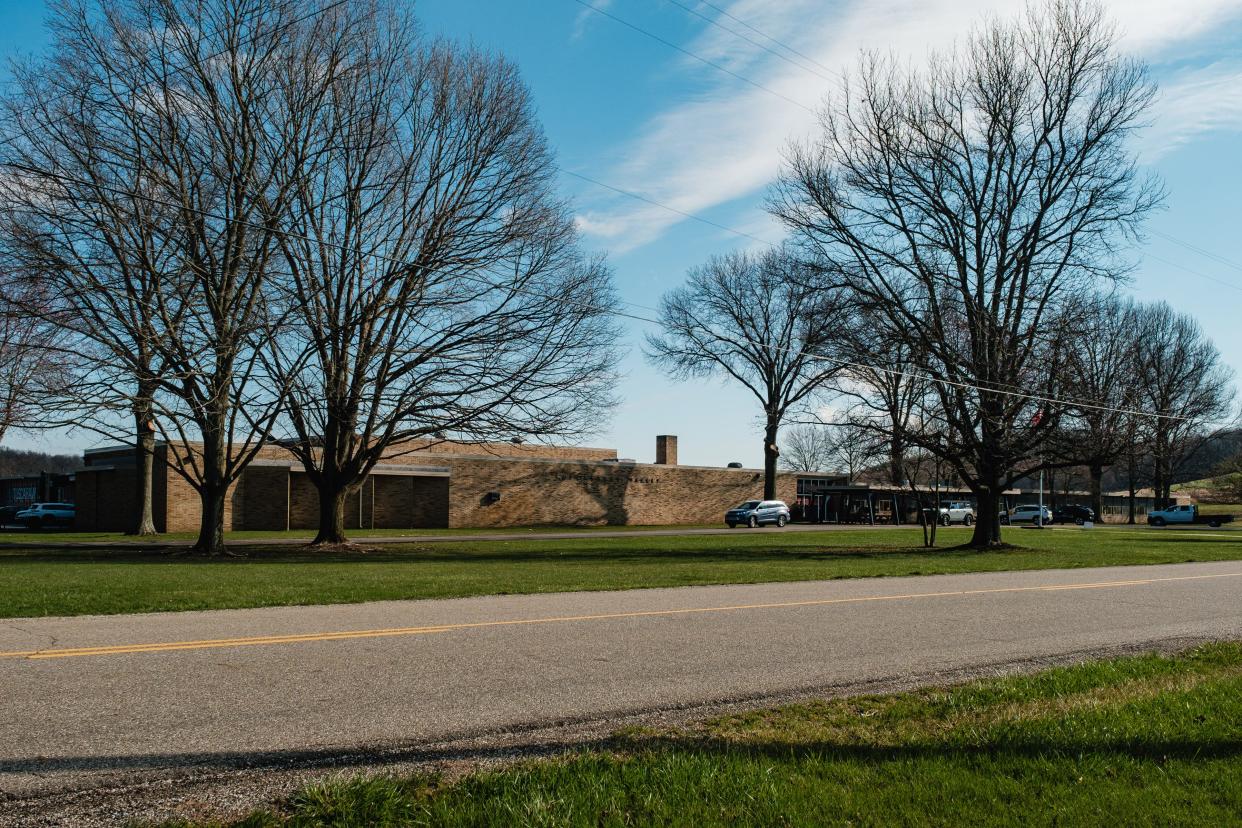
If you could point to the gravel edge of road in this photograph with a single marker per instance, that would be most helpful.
(230, 793)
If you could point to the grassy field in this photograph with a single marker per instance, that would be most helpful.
(81, 580)
(1142, 741)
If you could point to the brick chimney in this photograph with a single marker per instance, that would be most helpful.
(666, 450)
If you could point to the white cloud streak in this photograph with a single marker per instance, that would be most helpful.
(727, 144)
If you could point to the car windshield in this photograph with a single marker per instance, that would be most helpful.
(750, 504)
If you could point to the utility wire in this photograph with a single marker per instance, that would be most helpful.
(1205, 253)
(771, 39)
(753, 42)
(689, 53)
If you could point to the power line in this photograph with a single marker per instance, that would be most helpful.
(655, 203)
(1205, 253)
(751, 41)
(769, 37)
(689, 53)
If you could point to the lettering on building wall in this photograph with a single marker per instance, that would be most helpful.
(591, 478)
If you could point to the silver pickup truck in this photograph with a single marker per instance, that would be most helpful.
(957, 511)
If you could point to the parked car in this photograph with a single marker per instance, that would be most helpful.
(47, 515)
(757, 512)
(1027, 514)
(957, 511)
(1184, 516)
(1072, 513)
(8, 515)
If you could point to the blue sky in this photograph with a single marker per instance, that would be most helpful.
(625, 109)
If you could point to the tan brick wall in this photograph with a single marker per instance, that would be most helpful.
(534, 493)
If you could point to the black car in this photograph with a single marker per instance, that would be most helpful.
(8, 515)
(1071, 513)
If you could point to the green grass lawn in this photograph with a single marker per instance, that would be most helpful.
(1146, 741)
(81, 580)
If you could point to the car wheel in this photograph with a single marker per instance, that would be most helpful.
(732, 525)
(1157, 521)
(753, 523)
(781, 521)
(1215, 524)
(1078, 521)
(47, 522)
(968, 521)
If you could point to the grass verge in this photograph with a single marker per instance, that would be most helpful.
(1144, 741)
(78, 580)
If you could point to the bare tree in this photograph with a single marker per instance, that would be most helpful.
(1184, 384)
(970, 204)
(807, 448)
(1104, 389)
(753, 318)
(886, 389)
(167, 121)
(439, 289)
(32, 361)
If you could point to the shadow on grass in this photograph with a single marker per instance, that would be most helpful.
(1042, 749)
(440, 554)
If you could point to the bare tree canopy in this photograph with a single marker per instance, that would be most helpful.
(808, 448)
(969, 203)
(1184, 382)
(753, 318)
(437, 281)
(1104, 384)
(142, 162)
(32, 359)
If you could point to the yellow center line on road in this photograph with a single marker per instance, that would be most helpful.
(167, 646)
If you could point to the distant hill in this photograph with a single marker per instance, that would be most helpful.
(18, 463)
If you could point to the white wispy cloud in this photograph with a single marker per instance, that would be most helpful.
(727, 143)
(585, 17)
(1193, 102)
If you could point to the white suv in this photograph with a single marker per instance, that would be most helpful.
(959, 511)
(45, 515)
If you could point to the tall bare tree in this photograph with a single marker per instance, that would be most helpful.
(1184, 384)
(968, 204)
(33, 361)
(439, 289)
(754, 318)
(1104, 389)
(167, 121)
(808, 448)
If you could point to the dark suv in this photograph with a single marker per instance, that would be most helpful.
(1071, 513)
(756, 512)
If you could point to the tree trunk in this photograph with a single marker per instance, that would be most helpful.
(987, 517)
(213, 491)
(144, 466)
(896, 462)
(1097, 490)
(332, 499)
(770, 454)
(211, 528)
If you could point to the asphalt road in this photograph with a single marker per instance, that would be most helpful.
(101, 700)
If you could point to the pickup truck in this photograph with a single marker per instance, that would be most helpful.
(958, 511)
(1184, 516)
